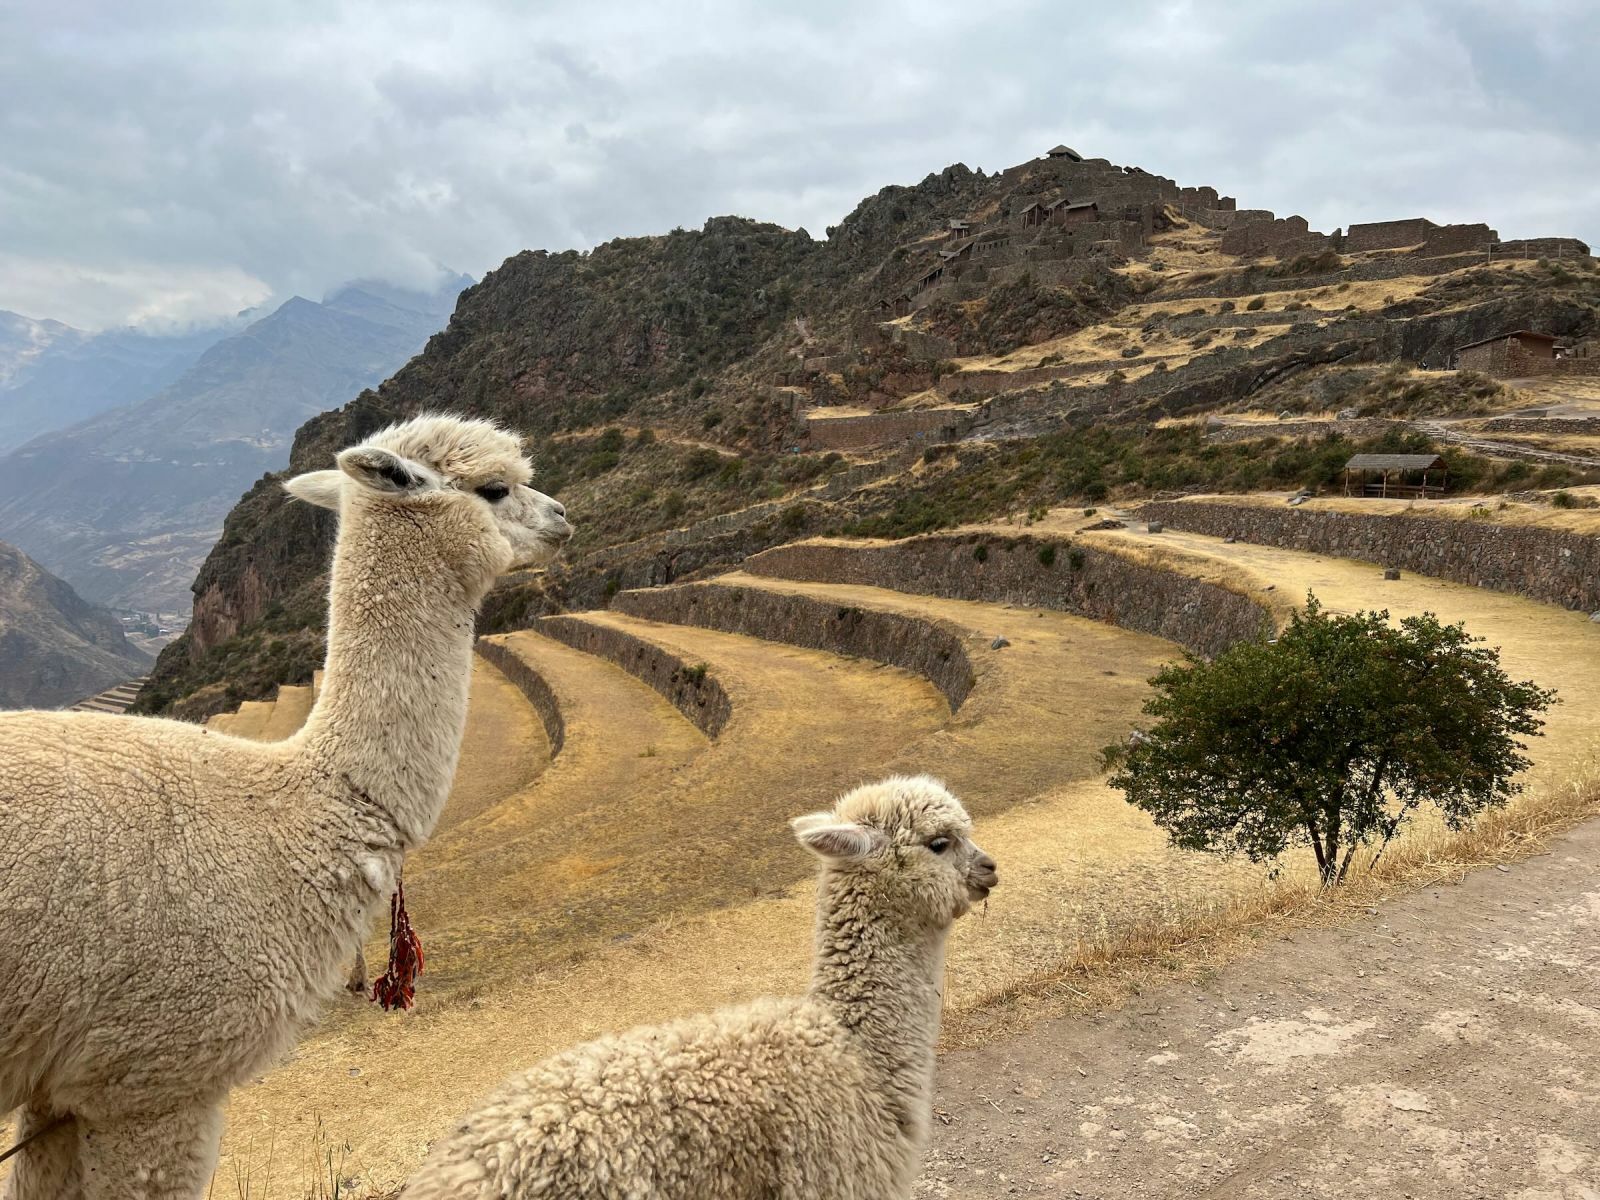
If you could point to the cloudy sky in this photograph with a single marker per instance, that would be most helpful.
(169, 162)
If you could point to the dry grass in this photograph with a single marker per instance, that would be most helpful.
(1579, 394)
(1190, 945)
(545, 937)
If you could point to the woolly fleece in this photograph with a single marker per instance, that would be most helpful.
(821, 1097)
(176, 904)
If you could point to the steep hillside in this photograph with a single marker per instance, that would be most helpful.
(126, 504)
(52, 375)
(971, 345)
(55, 647)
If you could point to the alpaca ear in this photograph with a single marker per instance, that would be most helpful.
(317, 487)
(828, 837)
(385, 472)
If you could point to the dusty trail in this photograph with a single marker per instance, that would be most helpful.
(1446, 1047)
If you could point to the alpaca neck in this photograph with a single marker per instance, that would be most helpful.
(883, 983)
(393, 706)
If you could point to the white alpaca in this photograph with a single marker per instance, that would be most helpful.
(822, 1097)
(177, 904)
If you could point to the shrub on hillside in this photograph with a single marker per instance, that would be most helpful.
(1333, 737)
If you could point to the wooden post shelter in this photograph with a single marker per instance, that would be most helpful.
(1405, 476)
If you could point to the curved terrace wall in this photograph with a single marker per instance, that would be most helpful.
(1037, 572)
(930, 648)
(532, 685)
(694, 692)
(1552, 565)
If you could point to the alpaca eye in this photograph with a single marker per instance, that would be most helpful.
(939, 845)
(494, 492)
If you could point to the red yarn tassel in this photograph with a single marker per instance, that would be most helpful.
(397, 987)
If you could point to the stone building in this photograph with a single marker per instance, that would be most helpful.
(1389, 235)
(1070, 212)
(1282, 236)
(1066, 152)
(1509, 355)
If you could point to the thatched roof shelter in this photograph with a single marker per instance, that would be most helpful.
(1413, 476)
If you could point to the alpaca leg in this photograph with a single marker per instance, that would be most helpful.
(167, 1157)
(47, 1169)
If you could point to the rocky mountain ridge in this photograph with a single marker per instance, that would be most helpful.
(55, 647)
(127, 503)
(52, 375)
(941, 356)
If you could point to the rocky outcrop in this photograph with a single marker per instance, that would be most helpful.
(1552, 565)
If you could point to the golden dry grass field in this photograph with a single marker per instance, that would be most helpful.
(645, 871)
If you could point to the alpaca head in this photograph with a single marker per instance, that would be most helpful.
(911, 841)
(472, 473)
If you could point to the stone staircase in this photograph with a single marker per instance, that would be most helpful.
(112, 700)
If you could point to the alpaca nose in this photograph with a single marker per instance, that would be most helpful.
(561, 509)
(985, 864)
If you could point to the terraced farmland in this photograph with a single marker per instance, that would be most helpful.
(615, 849)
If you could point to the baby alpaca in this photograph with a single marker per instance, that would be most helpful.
(176, 904)
(826, 1096)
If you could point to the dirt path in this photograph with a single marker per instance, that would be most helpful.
(1448, 1046)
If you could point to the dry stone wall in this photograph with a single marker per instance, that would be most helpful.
(1387, 235)
(1359, 427)
(881, 428)
(532, 685)
(691, 689)
(930, 648)
(1202, 617)
(1543, 564)
(1585, 426)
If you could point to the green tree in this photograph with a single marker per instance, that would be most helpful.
(1332, 736)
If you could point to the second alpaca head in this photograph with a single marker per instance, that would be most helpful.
(909, 842)
(470, 475)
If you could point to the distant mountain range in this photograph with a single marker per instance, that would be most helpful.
(55, 648)
(126, 503)
(52, 375)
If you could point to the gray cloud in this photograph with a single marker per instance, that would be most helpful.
(170, 161)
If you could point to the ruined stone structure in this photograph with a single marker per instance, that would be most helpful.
(1555, 247)
(1457, 239)
(1282, 236)
(1388, 235)
(1514, 355)
(882, 428)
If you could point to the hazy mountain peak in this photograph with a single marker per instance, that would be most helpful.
(54, 646)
